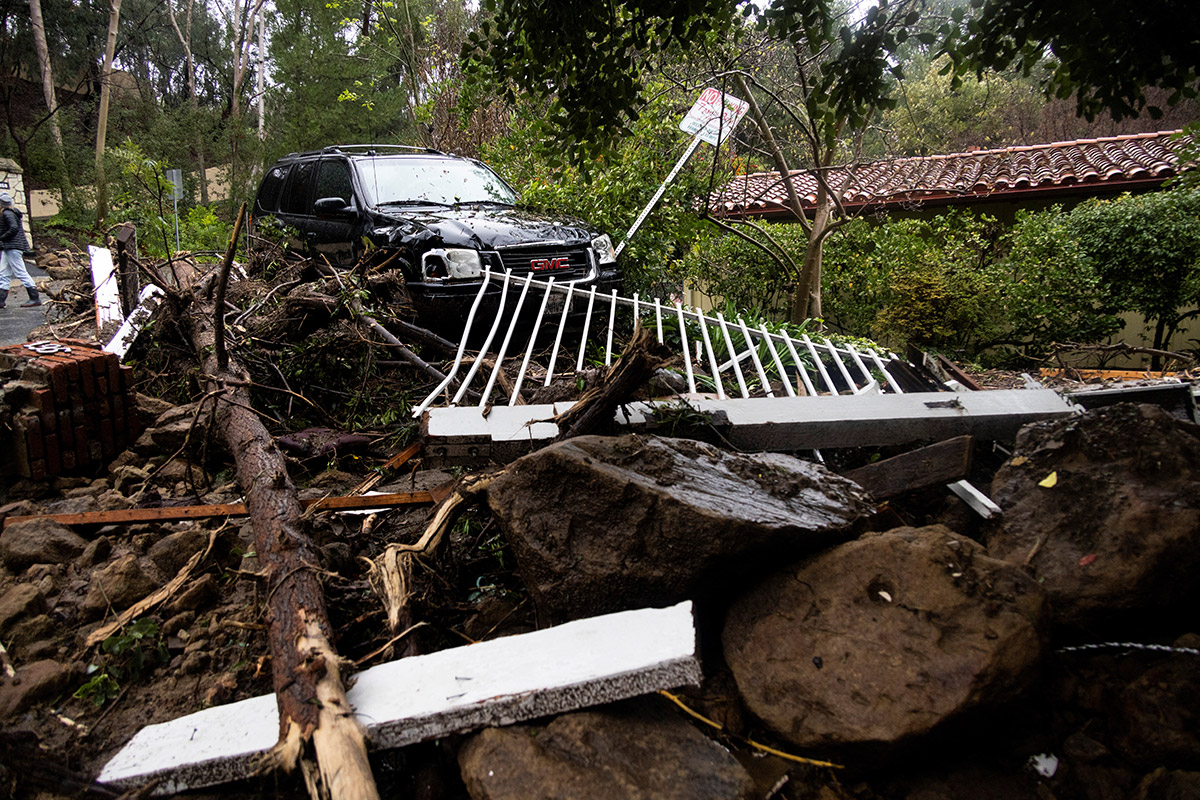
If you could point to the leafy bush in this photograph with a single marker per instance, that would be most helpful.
(1145, 253)
(1053, 293)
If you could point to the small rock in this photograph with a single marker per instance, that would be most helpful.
(195, 595)
(178, 623)
(1164, 784)
(31, 630)
(195, 662)
(628, 750)
(39, 541)
(885, 638)
(20, 602)
(128, 480)
(173, 551)
(118, 585)
(41, 680)
(96, 552)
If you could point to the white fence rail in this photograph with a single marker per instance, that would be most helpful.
(802, 366)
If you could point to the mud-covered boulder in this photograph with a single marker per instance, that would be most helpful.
(602, 524)
(884, 638)
(627, 751)
(41, 680)
(1159, 716)
(1106, 509)
(39, 541)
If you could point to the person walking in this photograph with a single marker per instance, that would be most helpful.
(13, 245)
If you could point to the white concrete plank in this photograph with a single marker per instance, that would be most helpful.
(571, 666)
(792, 423)
(107, 293)
(148, 301)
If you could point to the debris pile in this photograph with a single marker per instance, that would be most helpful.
(860, 631)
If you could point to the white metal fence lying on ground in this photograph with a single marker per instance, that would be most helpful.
(801, 366)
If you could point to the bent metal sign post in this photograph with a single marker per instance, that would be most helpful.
(711, 119)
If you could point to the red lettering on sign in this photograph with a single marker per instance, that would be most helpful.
(543, 264)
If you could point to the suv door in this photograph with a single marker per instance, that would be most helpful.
(335, 227)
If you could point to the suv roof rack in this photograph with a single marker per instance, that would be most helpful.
(371, 148)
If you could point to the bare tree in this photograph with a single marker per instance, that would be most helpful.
(110, 47)
(38, 25)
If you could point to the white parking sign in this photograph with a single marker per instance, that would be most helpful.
(714, 116)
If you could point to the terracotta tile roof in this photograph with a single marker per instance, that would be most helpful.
(1115, 163)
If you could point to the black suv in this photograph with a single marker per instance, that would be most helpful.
(445, 217)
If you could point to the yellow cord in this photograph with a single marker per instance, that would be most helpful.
(800, 759)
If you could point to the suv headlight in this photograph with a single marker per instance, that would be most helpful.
(605, 254)
(452, 263)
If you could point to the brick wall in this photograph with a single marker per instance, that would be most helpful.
(68, 406)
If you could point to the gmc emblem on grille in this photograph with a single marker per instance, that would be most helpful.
(543, 264)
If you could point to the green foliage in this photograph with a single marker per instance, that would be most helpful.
(617, 185)
(1053, 294)
(727, 266)
(129, 655)
(1145, 251)
(936, 116)
(141, 193)
(1106, 54)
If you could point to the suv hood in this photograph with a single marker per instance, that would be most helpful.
(484, 228)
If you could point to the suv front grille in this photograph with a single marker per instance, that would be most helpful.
(559, 263)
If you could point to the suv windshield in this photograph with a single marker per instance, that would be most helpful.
(438, 181)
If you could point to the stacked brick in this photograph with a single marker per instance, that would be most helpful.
(69, 407)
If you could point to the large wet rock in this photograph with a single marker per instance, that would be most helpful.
(1119, 529)
(607, 523)
(884, 638)
(629, 751)
(39, 541)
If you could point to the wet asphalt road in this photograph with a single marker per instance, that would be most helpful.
(15, 322)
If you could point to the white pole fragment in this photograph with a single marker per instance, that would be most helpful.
(685, 349)
(107, 294)
(498, 682)
(537, 326)
(512, 326)
(148, 302)
(587, 325)
(562, 325)
(612, 321)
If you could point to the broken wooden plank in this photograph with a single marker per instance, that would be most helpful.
(177, 513)
(937, 464)
(498, 682)
(952, 370)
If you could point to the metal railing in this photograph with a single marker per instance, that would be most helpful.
(800, 366)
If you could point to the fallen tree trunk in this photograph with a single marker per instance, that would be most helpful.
(596, 409)
(312, 699)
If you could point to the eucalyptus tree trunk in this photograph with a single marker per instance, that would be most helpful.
(38, 24)
(110, 48)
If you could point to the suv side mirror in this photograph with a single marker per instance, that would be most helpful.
(333, 207)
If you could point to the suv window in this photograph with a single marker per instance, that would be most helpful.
(441, 181)
(334, 180)
(298, 197)
(268, 194)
